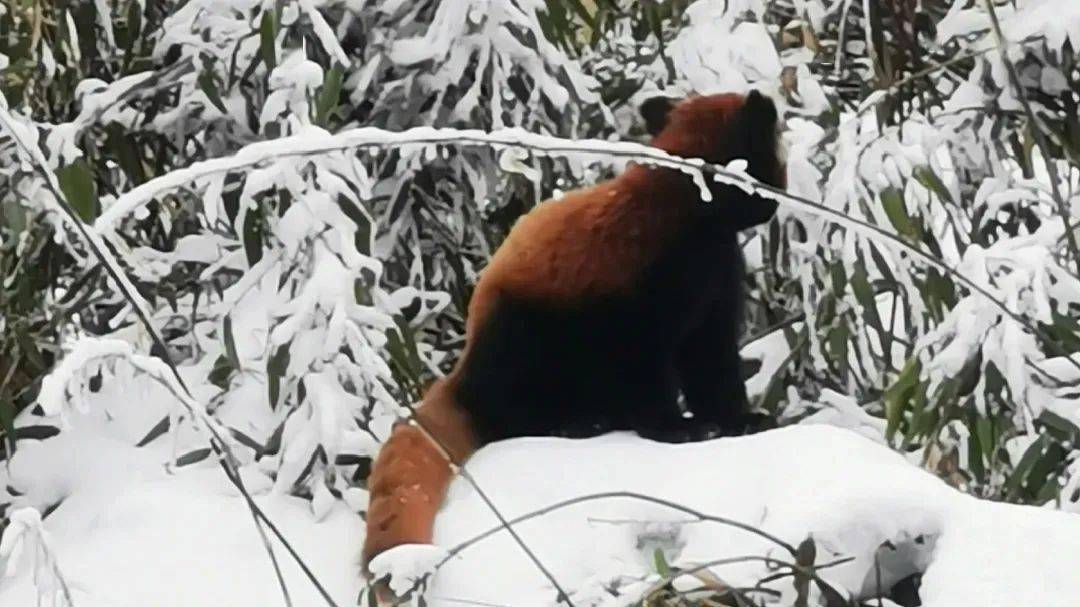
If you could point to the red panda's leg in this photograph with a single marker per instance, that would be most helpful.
(411, 474)
(710, 373)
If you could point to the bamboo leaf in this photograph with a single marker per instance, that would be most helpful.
(582, 12)
(209, 87)
(7, 422)
(252, 236)
(230, 343)
(267, 39)
(898, 396)
(864, 294)
(661, 564)
(276, 366)
(329, 95)
(933, 183)
(159, 428)
(77, 184)
(893, 203)
(192, 457)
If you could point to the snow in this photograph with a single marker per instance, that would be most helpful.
(129, 532)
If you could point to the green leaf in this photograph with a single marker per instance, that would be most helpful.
(655, 23)
(404, 360)
(222, 371)
(940, 293)
(933, 183)
(898, 396)
(838, 346)
(560, 24)
(1031, 471)
(230, 343)
(252, 236)
(125, 151)
(77, 184)
(14, 219)
(273, 444)
(1065, 329)
(864, 294)
(159, 428)
(775, 391)
(230, 195)
(922, 423)
(1060, 427)
(267, 39)
(975, 452)
(29, 348)
(893, 203)
(210, 88)
(329, 95)
(984, 432)
(7, 423)
(1039, 481)
(247, 441)
(134, 21)
(88, 278)
(881, 265)
(1027, 461)
(192, 457)
(36, 432)
(582, 12)
(661, 563)
(917, 415)
(838, 276)
(276, 366)
(363, 224)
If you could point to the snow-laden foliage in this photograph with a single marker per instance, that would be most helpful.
(309, 283)
(957, 173)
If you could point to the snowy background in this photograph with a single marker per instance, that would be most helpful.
(290, 201)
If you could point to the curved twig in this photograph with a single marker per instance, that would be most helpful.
(702, 516)
(374, 138)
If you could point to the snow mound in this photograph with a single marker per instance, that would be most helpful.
(186, 538)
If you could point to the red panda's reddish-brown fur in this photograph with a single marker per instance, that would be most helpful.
(411, 474)
(594, 244)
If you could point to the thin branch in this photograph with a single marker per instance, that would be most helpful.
(811, 572)
(769, 330)
(701, 516)
(508, 524)
(1037, 134)
(374, 138)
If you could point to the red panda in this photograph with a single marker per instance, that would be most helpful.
(596, 312)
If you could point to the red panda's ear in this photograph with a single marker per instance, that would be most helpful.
(759, 112)
(655, 112)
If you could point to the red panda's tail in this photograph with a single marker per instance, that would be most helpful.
(412, 472)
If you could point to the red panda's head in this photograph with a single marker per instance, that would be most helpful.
(718, 129)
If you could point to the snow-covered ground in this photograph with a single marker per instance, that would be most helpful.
(129, 534)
